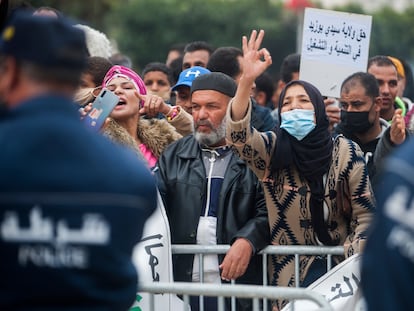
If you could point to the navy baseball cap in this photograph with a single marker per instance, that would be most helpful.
(44, 41)
(187, 76)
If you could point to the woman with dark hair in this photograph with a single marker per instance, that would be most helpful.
(317, 189)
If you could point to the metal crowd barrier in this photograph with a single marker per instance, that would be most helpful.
(296, 250)
(264, 292)
(224, 290)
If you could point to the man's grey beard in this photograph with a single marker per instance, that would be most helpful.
(215, 136)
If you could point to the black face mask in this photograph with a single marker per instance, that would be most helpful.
(355, 122)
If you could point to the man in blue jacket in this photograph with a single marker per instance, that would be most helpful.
(211, 197)
(72, 205)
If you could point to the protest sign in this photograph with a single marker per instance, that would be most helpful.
(340, 286)
(153, 260)
(334, 45)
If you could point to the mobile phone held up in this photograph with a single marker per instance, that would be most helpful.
(102, 106)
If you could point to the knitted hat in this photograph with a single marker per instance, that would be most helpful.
(97, 42)
(216, 81)
(397, 63)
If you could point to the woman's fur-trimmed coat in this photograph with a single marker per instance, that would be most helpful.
(156, 134)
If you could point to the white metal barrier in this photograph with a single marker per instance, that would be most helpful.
(224, 290)
(264, 292)
(296, 250)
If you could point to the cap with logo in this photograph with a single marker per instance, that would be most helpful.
(187, 76)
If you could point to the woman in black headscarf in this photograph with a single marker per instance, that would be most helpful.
(310, 154)
(317, 189)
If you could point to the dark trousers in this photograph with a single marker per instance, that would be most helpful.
(316, 270)
(210, 303)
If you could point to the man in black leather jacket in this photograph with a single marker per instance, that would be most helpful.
(211, 197)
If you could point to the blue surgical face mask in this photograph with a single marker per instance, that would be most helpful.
(298, 122)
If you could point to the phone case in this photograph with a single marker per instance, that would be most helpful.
(102, 106)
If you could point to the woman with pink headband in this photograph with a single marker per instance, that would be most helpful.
(149, 136)
(127, 124)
